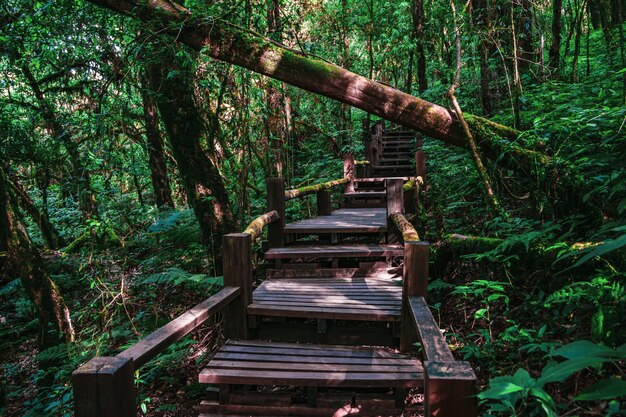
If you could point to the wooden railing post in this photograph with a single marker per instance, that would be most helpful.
(276, 201)
(449, 389)
(377, 144)
(349, 172)
(367, 143)
(420, 164)
(237, 264)
(395, 204)
(324, 207)
(104, 387)
(414, 283)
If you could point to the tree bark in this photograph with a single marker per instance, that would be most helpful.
(81, 175)
(24, 261)
(154, 145)
(229, 43)
(185, 128)
(418, 31)
(555, 48)
(48, 231)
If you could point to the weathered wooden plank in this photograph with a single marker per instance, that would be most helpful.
(310, 378)
(276, 202)
(342, 221)
(214, 409)
(450, 390)
(303, 367)
(237, 266)
(326, 360)
(339, 251)
(146, 349)
(104, 387)
(433, 342)
(324, 203)
(331, 313)
(331, 273)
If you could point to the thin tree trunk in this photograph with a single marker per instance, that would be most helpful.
(81, 175)
(555, 48)
(231, 44)
(579, 30)
(491, 195)
(154, 145)
(418, 30)
(24, 261)
(48, 231)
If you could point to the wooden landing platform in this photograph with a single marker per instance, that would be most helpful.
(335, 251)
(370, 220)
(287, 364)
(361, 299)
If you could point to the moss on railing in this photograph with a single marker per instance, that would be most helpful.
(312, 189)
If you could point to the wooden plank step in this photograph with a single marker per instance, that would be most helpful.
(399, 166)
(262, 363)
(334, 251)
(215, 409)
(368, 220)
(342, 299)
(380, 179)
(332, 273)
(365, 194)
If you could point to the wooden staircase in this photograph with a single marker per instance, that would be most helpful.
(337, 282)
(331, 328)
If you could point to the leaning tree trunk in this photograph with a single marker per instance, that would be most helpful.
(23, 261)
(232, 44)
(48, 231)
(185, 129)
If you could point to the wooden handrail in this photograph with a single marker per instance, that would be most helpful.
(409, 234)
(312, 189)
(433, 343)
(363, 162)
(150, 346)
(104, 386)
(255, 228)
(449, 385)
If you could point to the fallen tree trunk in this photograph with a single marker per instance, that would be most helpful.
(226, 42)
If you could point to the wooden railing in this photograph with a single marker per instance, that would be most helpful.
(105, 387)
(450, 385)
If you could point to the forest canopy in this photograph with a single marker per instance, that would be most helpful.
(134, 134)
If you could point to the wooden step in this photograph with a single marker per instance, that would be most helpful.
(344, 221)
(290, 364)
(335, 251)
(364, 195)
(380, 179)
(361, 272)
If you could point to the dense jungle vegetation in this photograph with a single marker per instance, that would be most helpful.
(127, 150)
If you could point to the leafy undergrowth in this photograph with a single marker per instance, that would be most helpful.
(116, 296)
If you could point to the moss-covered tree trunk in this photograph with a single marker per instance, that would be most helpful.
(154, 145)
(205, 189)
(23, 261)
(229, 43)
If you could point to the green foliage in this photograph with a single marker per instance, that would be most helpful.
(521, 394)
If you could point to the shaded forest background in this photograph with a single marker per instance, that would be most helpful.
(125, 155)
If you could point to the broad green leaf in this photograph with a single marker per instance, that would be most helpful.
(587, 349)
(605, 389)
(498, 390)
(558, 372)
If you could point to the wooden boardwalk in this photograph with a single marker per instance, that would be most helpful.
(328, 295)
